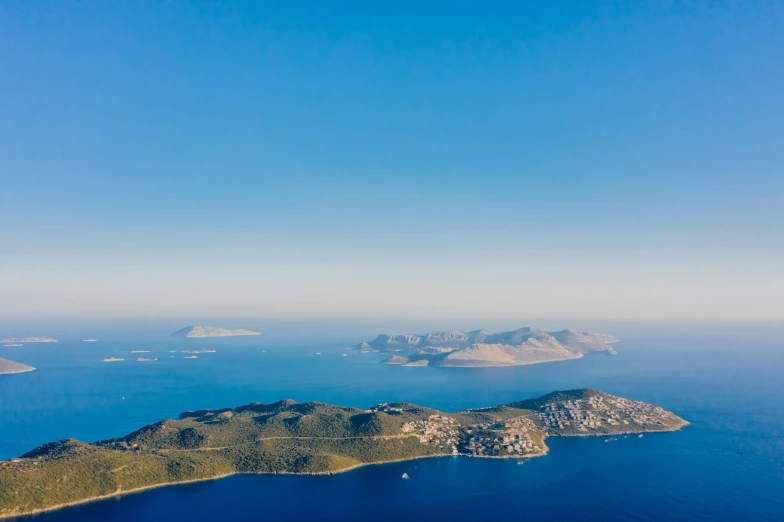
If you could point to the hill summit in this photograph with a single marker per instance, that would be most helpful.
(210, 331)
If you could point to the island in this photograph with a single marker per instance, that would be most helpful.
(195, 331)
(9, 367)
(486, 348)
(29, 340)
(307, 438)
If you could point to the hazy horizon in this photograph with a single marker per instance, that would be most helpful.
(297, 330)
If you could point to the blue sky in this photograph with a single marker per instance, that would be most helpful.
(609, 159)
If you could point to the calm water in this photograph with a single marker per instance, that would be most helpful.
(726, 380)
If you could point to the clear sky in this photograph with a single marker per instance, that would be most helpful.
(478, 159)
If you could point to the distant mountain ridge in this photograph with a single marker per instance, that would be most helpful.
(210, 331)
(487, 348)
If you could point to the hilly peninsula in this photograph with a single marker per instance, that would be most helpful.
(7, 367)
(487, 348)
(195, 331)
(307, 438)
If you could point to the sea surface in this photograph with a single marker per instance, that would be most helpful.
(726, 379)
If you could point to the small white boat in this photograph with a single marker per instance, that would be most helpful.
(405, 476)
(318, 353)
(89, 340)
(113, 359)
(345, 355)
(640, 435)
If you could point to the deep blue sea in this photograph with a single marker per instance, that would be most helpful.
(726, 379)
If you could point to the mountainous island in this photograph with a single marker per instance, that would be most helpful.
(486, 348)
(7, 367)
(195, 331)
(29, 340)
(309, 438)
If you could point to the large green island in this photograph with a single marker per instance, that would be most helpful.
(309, 438)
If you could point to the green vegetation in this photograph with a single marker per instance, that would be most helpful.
(287, 437)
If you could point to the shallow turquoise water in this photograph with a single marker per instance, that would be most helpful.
(728, 383)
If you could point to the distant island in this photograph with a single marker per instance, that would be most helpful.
(29, 340)
(8, 367)
(194, 331)
(486, 348)
(309, 438)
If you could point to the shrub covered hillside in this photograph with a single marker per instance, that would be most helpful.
(287, 437)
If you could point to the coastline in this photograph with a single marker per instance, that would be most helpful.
(121, 493)
(493, 364)
(545, 450)
(31, 369)
(636, 432)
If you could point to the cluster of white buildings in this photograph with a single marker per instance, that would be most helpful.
(440, 430)
(502, 445)
(597, 412)
(509, 438)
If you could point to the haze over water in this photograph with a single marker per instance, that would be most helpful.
(724, 378)
(437, 160)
